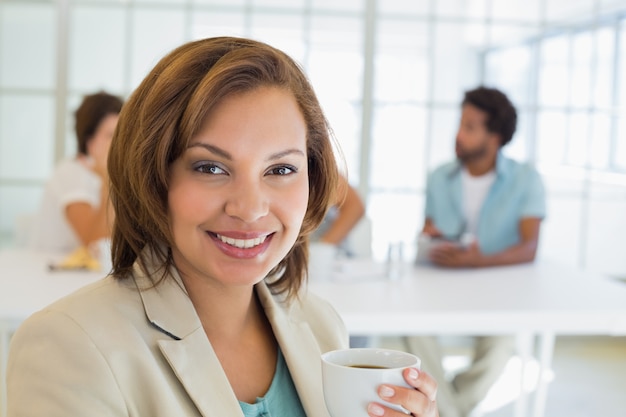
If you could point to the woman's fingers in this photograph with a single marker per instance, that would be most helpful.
(422, 381)
(420, 401)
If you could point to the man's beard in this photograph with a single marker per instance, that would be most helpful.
(470, 155)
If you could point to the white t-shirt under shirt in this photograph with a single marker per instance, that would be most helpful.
(475, 190)
(71, 182)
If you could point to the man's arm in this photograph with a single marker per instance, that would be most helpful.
(524, 251)
(430, 229)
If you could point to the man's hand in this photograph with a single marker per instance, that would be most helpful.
(454, 256)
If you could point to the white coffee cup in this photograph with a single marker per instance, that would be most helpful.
(351, 378)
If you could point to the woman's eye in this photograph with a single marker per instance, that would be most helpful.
(207, 168)
(282, 170)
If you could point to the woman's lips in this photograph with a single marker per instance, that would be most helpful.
(242, 243)
(242, 248)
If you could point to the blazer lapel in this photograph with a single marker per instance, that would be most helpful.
(300, 350)
(204, 380)
(170, 310)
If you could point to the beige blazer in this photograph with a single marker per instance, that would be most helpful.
(112, 350)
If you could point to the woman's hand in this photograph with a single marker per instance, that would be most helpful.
(420, 401)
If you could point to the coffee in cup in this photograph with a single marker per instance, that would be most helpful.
(351, 378)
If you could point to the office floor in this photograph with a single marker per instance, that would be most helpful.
(588, 379)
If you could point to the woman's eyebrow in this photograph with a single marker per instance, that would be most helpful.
(287, 152)
(214, 149)
(221, 152)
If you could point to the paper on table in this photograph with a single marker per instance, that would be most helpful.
(80, 260)
(427, 243)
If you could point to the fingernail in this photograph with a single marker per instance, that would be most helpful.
(375, 409)
(386, 391)
(413, 373)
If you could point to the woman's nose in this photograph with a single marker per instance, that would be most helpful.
(247, 201)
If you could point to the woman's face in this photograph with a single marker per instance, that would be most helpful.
(239, 192)
(99, 144)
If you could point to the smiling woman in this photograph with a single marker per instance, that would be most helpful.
(221, 166)
(179, 103)
(240, 191)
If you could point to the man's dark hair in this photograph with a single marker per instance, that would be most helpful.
(501, 114)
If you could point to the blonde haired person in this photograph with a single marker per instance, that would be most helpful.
(221, 167)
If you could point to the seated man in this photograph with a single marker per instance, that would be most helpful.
(499, 203)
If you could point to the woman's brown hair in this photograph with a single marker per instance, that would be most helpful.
(92, 110)
(168, 109)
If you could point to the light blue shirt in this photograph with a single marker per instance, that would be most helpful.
(517, 193)
(281, 400)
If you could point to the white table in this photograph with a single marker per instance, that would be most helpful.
(27, 285)
(534, 301)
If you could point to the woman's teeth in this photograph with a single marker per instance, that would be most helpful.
(242, 243)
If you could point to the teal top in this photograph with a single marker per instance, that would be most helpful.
(281, 400)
